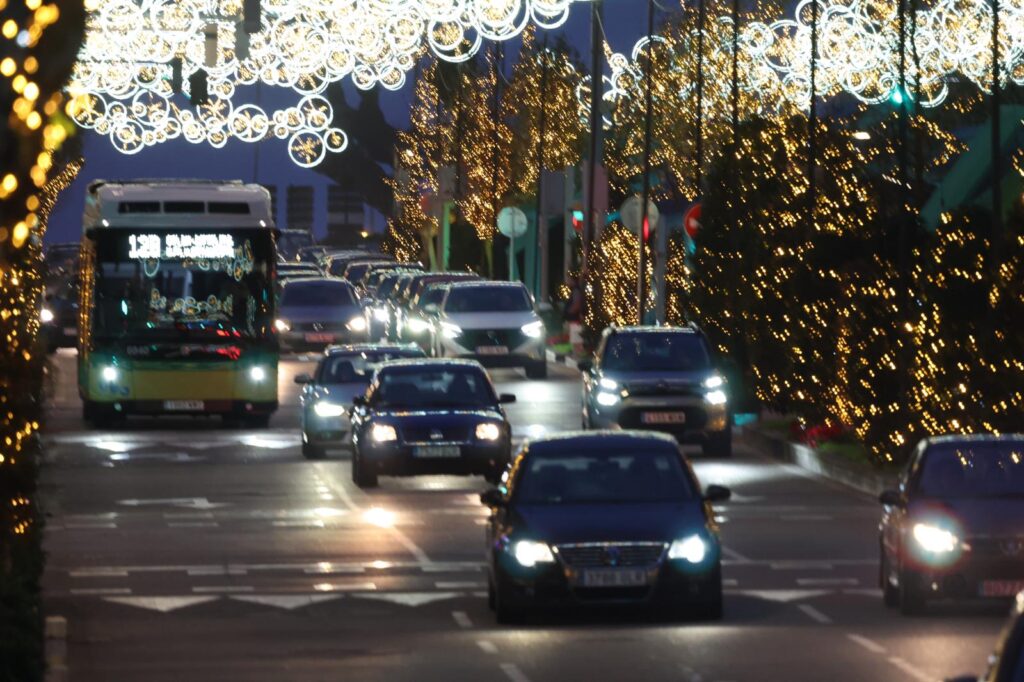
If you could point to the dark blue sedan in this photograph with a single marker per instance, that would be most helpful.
(430, 417)
(603, 518)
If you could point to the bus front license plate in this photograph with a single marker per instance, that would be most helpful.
(184, 405)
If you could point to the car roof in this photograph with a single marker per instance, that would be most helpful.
(412, 363)
(306, 280)
(601, 440)
(974, 438)
(370, 347)
(637, 329)
(487, 283)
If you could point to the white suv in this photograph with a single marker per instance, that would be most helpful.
(494, 323)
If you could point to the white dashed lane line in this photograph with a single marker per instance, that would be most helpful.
(513, 673)
(827, 582)
(869, 644)
(462, 619)
(906, 667)
(487, 647)
(814, 614)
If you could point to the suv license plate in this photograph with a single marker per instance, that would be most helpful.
(436, 451)
(319, 338)
(664, 417)
(184, 405)
(614, 577)
(1001, 588)
(492, 350)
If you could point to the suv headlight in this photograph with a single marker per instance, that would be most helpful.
(607, 399)
(934, 539)
(608, 384)
(451, 331)
(326, 409)
(488, 431)
(357, 324)
(716, 397)
(714, 381)
(529, 553)
(534, 330)
(383, 433)
(691, 549)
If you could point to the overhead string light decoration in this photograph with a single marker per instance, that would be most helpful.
(138, 55)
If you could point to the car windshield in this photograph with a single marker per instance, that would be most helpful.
(973, 470)
(289, 243)
(604, 478)
(317, 293)
(430, 295)
(434, 388)
(500, 299)
(655, 352)
(350, 368)
(356, 271)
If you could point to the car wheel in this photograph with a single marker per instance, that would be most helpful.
(890, 592)
(361, 477)
(509, 608)
(537, 370)
(719, 444)
(708, 605)
(310, 451)
(912, 597)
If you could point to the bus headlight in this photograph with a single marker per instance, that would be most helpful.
(257, 374)
(46, 316)
(109, 374)
(282, 325)
(691, 549)
(357, 324)
(383, 433)
(326, 409)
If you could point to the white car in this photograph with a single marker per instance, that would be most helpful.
(494, 323)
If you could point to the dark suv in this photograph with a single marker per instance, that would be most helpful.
(661, 379)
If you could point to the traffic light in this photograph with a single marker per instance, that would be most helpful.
(199, 92)
(176, 79)
(647, 230)
(577, 219)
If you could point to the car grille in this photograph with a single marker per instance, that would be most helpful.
(997, 548)
(475, 338)
(664, 389)
(319, 327)
(603, 555)
(434, 434)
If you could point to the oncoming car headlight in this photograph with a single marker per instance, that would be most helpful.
(357, 324)
(534, 329)
(713, 381)
(934, 539)
(282, 325)
(530, 553)
(608, 384)
(416, 326)
(383, 433)
(716, 397)
(607, 399)
(488, 431)
(451, 331)
(691, 549)
(46, 316)
(326, 409)
(381, 314)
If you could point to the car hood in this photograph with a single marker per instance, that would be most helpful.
(566, 524)
(436, 418)
(975, 516)
(341, 394)
(671, 379)
(510, 320)
(319, 313)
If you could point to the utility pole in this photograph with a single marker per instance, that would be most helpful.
(539, 215)
(497, 65)
(596, 85)
(645, 225)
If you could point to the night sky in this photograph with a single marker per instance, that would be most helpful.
(625, 22)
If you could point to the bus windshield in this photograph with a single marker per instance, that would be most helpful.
(169, 284)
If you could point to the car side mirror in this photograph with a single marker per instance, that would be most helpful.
(506, 398)
(891, 498)
(492, 498)
(717, 493)
(303, 379)
(585, 365)
(359, 401)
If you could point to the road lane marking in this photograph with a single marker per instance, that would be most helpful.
(806, 517)
(801, 565)
(871, 645)
(909, 669)
(455, 585)
(161, 604)
(827, 582)
(487, 647)
(288, 602)
(207, 570)
(409, 598)
(100, 572)
(734, 555)
(89, 526)
(782, 595)
(865, 592)
(100, 591)
(462, 619)
(814, 614)
(222, 589)
(730, 582)
(194, 524)
(350, 587)
(190, 516)
(513, 673)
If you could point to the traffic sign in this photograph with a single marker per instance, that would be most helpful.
(630, 214)
(512, 222)
(691, 220)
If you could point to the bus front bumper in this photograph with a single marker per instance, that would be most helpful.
(240, 408)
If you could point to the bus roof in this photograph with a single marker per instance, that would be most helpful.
(176, 204)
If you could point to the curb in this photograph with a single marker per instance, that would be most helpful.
(861, 477)
(56, 648)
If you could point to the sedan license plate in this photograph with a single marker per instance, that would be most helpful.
(664, 418)
(319, 338)
(492, 350)
(614, 577)
(436, 451)
(1001, 588)
(184, 405)
(70, 331)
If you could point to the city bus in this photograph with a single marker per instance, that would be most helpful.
(177, 301)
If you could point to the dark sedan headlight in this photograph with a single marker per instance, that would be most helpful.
(328, 409)
(357, 324)
(529, 553)
(935, 540)
(488, 431)
(383, 433)
(46, 316)
(692, 549)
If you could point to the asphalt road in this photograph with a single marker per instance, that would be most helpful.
(181, 550)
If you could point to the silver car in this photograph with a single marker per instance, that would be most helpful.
(326, 398)
(316, 312)
(658, 379)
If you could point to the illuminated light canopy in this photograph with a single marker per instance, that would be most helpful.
(139, 54)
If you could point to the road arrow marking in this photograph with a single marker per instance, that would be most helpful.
(187, 502)
(161, 604)
(782, 596)
(288, 602)
(409, 598)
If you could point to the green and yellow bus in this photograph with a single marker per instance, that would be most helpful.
(177, 301)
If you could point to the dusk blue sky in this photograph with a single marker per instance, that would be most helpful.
(625, 21)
